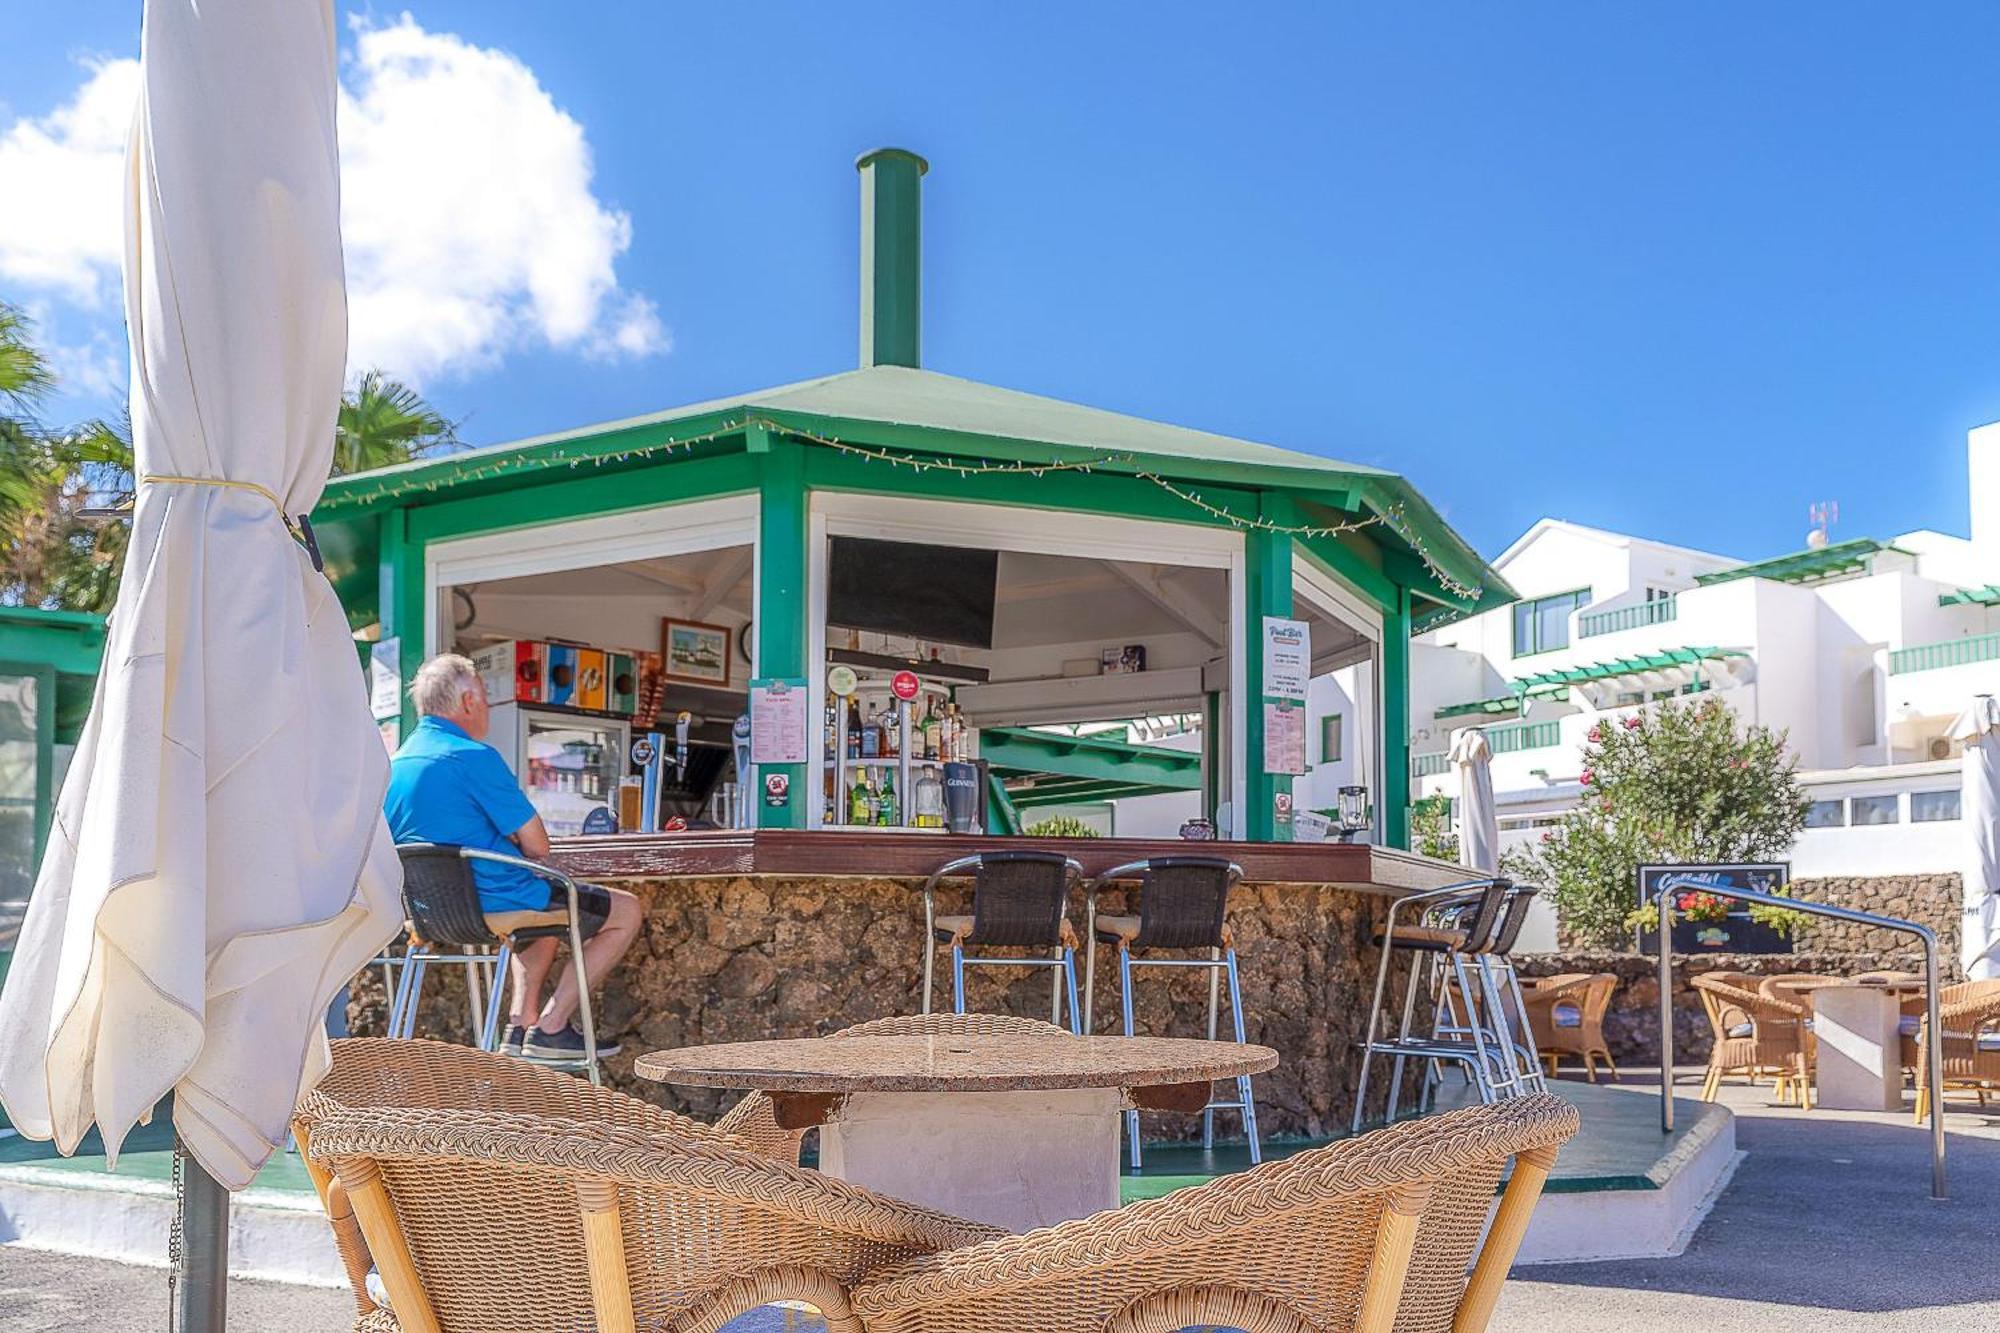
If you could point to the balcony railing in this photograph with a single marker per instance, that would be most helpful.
(1501, 740)
(1656, 612)
(1525, 736)
(1950, 653)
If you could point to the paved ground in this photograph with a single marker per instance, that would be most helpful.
(1827, 1226)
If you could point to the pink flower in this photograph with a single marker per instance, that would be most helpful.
(1634, 723)
(1595, 734)
(1605, 806)
(1589, 776)
(1548, 837)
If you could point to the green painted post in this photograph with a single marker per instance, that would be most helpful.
(401, 599)
(1268, 569)
(1396, 723)
(783, 634)
(891, 256)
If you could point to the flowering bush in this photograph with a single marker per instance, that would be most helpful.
(1682, 784)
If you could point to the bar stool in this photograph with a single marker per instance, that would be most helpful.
(446, 925)
(1182, 900)
(1497, 1011)
(1452, 919)
(1020, 900)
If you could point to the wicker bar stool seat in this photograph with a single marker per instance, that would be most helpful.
(1020, 904)
(1370, 1234)
(1182, 904)
(446, 925)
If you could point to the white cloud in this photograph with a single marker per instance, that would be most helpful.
(470, 225)
(63, 225)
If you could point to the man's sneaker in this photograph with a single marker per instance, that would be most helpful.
(510, 1040)
(564, 1045)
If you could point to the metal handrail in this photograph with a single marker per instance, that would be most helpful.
(1934, 1065)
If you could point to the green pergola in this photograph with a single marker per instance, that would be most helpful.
(1810, 565)
(1636, 665)
(892, 428)
(1986, 596)
(1040, 768)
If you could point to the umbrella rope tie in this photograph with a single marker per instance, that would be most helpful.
(300, 526)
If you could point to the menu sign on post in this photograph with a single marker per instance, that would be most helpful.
(385, 678)
(1287, 658)
(778, 721)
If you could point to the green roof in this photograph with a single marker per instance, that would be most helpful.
(1820, 562)
(924, 412)
(1986, 596)
(1626, 666)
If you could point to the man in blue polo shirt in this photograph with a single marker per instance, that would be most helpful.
(446, 785)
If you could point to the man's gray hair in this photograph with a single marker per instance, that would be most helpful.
(442, 683)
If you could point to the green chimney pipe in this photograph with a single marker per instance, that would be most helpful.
(891, 256)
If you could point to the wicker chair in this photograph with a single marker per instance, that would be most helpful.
(373, 1073)
(673, 1232)
(1756, 1034)
(1369, 1234)
(1969, 1014)
(1579, 1029)
(755, 1118)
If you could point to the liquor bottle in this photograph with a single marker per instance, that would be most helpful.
(892, 731)
(860, 808)
(871, 739)
(932, 731)
(853, 729)
(886, 809)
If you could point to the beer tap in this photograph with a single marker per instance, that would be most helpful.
(681, 721)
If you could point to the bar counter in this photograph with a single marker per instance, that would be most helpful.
(755, 934)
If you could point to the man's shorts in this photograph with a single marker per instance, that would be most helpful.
(593, 907)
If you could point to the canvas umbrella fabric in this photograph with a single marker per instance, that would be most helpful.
(1478, 819)
(218, 865)
(1978, 730)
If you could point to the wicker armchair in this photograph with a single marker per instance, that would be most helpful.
(1969, 1014)
(754, 1119)
(373, 1073)
(1579, 1028)
(1755, 1034)
(669, 1231)
(1367, 1234)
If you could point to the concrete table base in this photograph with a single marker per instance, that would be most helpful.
(1860, 1064)
(1018, 1160)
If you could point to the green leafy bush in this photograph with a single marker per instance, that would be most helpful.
(1060, 826)
(1680, 783)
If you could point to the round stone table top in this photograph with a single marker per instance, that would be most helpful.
(998, 1063)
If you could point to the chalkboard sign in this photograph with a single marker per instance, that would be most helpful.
(943, 594)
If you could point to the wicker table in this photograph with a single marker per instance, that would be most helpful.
(1017, 1130)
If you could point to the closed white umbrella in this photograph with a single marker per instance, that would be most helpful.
(1978, 728)
(219, 865)
(1478, 820)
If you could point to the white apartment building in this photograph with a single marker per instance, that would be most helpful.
(1862, 651)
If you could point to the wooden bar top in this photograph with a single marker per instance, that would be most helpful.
(797, 853)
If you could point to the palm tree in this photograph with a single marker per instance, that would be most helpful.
(383, 422)
(56, 549)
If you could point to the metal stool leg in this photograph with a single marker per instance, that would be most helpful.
(1249, 1108)
(1075, 1010)
(413, 989)
(1056, 987)
(1208, 1112)
(957, 977)
(1125, 1003)
(489, 1031)
(1421, 966)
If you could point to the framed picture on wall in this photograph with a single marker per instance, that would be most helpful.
(696, 654)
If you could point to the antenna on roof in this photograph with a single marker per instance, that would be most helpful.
(1823, 515)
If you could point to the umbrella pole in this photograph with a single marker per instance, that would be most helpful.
(200, 1244)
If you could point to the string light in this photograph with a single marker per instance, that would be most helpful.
(1393, 518)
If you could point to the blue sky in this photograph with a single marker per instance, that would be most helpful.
(1674, 270)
